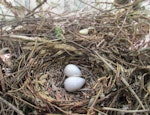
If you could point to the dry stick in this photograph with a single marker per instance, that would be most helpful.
(32, 12)
(134, 94)
(104, 60)
(126, 111)
(96, 98)
(28, 103)
(11, 106)
(26, 38)
(2, 83)
(120, 29)
(100, 112)
(132, 91)
(122, 79)
(66, 113)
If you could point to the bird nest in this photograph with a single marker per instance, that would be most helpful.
(113, 57)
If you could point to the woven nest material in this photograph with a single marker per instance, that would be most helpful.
(114, 58)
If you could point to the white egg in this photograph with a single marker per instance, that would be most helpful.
(84, 31)
(74, 83)
(72, 70)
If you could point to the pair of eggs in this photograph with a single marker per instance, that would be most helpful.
(74, 81)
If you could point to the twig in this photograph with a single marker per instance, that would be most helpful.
(132, 91)
(2, 83)
(32, 12)
(26, 38)
(123, 80)
(126, 111)
(105, 61)
(120, 29)
(11, 106)
(97, 96)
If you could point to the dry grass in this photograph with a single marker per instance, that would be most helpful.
(113, 57)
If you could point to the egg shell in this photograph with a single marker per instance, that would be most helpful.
(74, 83)
(84, 31)
(72, 70)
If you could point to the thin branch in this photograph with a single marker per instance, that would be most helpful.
(11, 106)
(126, 111)
(123, 80)
(132, 91)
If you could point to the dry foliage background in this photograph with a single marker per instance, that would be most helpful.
(114, 57)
